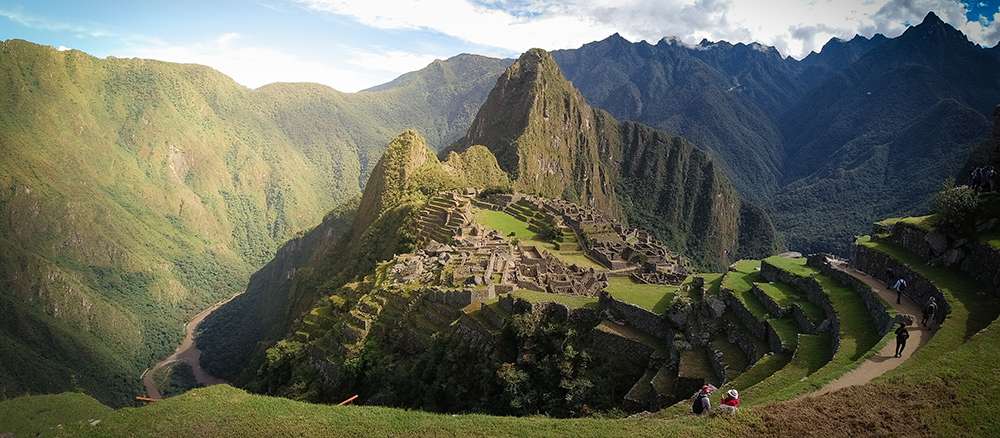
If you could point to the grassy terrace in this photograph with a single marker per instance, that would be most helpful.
(507, 224)
(648, 296)
(785, 295)
(538, 297)
(785, 382)
(971, 309)
(858, 337)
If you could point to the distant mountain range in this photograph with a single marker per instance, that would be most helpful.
(867, 128)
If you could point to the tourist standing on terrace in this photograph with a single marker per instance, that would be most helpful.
(901, 336)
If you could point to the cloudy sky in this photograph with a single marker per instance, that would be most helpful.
(354, 44)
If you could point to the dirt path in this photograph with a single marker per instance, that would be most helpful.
(885, 359)
(186, 352)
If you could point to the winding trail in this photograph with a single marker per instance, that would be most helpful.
(186, 352)
(885, 359)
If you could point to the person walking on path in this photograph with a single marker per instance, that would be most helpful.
(899, 287)
(901, 336)
(890, 277)
(930, 312)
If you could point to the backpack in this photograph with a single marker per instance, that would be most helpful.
(902, 286)
(930, 309)
(699, 407)
(905, 334)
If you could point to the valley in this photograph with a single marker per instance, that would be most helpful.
(188, 353)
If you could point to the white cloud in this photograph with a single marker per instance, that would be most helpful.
(388, 60)
(257, 66)
(795, 27)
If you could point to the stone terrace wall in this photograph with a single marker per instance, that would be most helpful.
(772, 307)
(760, 329)
(635, 351)
(975, 258)
(875, 304)
(802, 320)
(737, 337)
(474, 334)
(814, 292)
(462, 297)
(637, 317)
(918, 289)
(719, 368)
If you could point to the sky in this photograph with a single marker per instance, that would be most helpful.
(351, 45)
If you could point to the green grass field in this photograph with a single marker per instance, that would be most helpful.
(508, 224)
(648, 296)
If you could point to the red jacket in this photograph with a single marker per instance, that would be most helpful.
(730, 401)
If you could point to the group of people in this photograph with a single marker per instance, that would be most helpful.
(929, 317)
(703, 404)
(981, 178)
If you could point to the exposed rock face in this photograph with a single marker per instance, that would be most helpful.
(553, 144)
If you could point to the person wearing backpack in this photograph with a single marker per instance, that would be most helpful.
(901, 336)
(702, 404)
(930, 310)
(900, 287)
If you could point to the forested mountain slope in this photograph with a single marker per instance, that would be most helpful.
(135, 193)
(555, 145)
(805, 139)
(881, 136)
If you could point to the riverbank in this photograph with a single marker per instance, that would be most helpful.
(187, 352)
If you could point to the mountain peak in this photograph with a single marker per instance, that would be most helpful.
(932, 19)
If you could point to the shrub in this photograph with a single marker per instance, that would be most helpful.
(955, 207)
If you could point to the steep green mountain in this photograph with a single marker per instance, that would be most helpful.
(348, 244)
(136, 193)
(555, 145)
(880, 137)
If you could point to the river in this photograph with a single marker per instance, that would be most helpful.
(186, 352)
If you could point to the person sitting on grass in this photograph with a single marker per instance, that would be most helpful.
(730, 401)
(702, 404)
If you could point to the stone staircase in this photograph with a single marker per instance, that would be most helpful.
(442, 216)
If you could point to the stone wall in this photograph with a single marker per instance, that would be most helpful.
(612, 343)
(461, 297)
(813, 291)
(772, 307)
(760, 329)
(491, 316)
(802, 320)
(876, 305)
(474, 334)
(719, 368)
(918, 289)
(973, 257)
(642, 319)
(740, 339)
